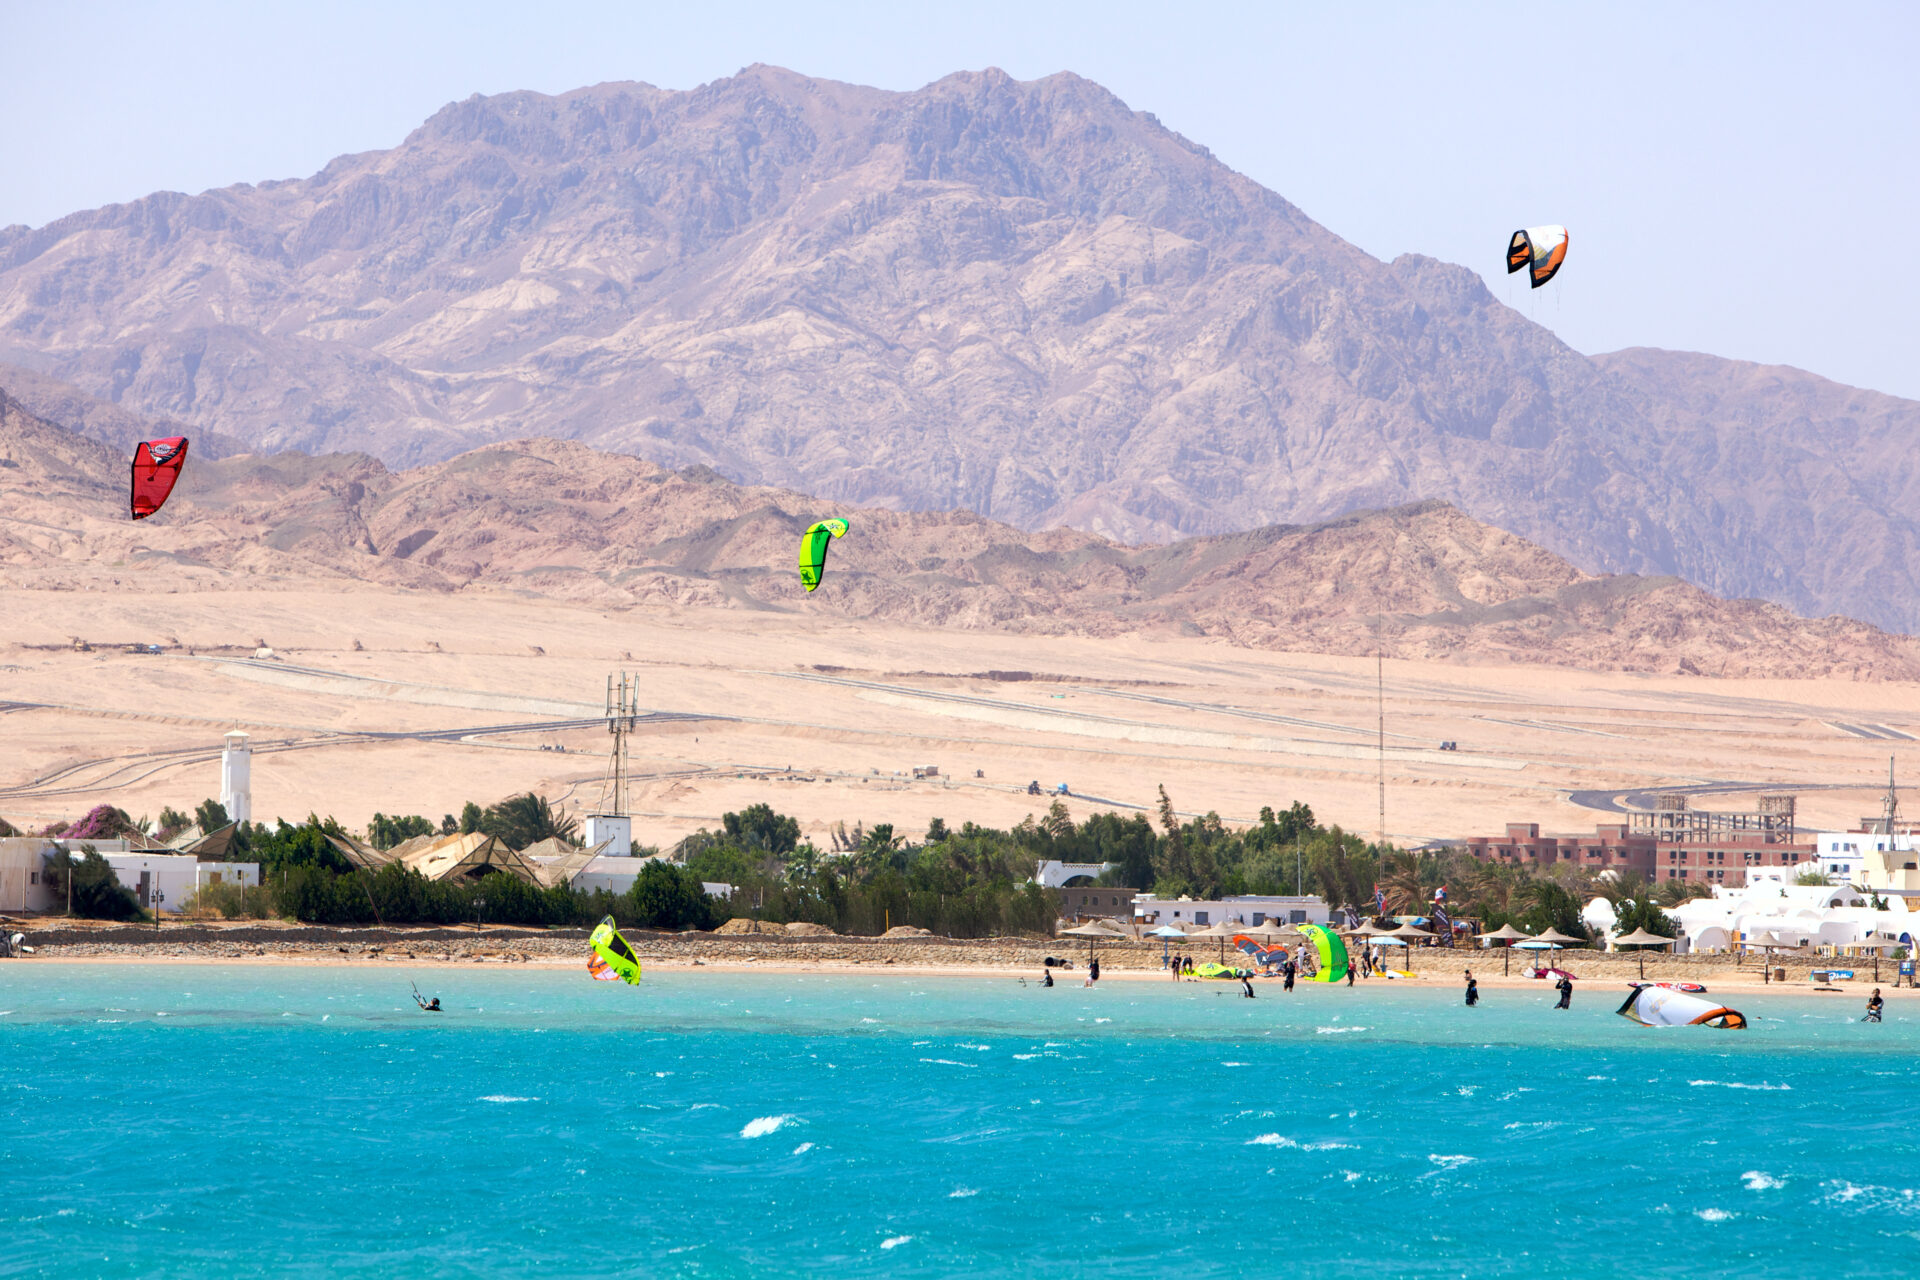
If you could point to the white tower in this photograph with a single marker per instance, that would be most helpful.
(236, 778)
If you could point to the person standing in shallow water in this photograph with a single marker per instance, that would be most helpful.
(1093, 969)
(1287, 971)
(1473, 990)
(1565, 986)
(1874, 1005)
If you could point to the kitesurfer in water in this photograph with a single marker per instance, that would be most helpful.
(1565, 987)
(1873, 1007)
(1046, 977)
(426, 1005)
(1473, 990)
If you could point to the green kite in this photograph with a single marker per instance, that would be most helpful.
(813, 550)
(612, 959)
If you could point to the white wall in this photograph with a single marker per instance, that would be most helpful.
(1149, 910)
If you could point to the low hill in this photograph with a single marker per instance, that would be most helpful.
(558, 519)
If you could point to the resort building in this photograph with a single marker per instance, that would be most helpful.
(1673, 841)
(157, 878)
(1085, 901)
(1246, 909)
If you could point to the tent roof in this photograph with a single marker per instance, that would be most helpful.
(470, 853)
(1554, 935)
(1641, 938)
(361, 854)
(1504, 933)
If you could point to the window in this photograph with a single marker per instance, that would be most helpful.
(1200, 917)
(33, 877)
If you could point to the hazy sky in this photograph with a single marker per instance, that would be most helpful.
(1738, 178)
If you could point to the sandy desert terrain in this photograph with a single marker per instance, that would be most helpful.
(405, 702)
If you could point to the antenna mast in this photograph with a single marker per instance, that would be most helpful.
(623, 709)
(1380, 682)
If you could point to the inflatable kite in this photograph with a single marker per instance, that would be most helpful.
(612, 959)
(156, 465)
(1539, 249)
(813, 550)
(1665, 1007)
(1331, 952)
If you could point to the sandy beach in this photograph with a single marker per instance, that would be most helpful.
(1597, 974)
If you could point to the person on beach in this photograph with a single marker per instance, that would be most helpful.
(1873, 1006)
(1473, 990)
(1246, 984)
(1565, 987)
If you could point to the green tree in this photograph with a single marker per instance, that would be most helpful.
(210, 815)
(528, 819)
(384, 832)
(664, 896)
(471, 818)
(90, 884)
(758, 826)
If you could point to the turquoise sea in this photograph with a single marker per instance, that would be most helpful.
(245, 1121)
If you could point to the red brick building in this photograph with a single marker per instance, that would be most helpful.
(1672, 842)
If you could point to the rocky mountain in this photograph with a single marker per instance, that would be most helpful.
(1024, 299)
(555, 518)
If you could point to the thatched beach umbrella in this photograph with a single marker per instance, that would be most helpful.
(1407, 935)
(1875, 945)
(1090, 932)
(1224, 930)
(1640, 938)
(1508, 934)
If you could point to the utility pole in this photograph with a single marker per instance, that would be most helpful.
(1380, 681)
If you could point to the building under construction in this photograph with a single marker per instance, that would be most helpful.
(1672, 841)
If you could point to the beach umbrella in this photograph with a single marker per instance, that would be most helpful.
(1089, 932)
(1167, 933)
(1406, 935)
(1508, 934)
(1224, 930)
(1875, 946)
(1640, 938)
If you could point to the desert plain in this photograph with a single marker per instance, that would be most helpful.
(403, 702)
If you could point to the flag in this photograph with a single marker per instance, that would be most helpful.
(1440, 894)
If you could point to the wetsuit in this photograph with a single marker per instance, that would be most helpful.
(1566, 993)
(1288, 971)
(1247, 983)
(1046, 977)
(1473, 992)
(1093, 969)
(1873, 1009)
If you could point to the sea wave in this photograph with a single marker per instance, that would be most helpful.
(1712, 1215)
(1758, 1181)
(962, 1193)
(505, 1097)
(949, 1062)
(1336, 1031)
(761, 1126)
(803, 1148)
(894, 1242)
(1741, 1084)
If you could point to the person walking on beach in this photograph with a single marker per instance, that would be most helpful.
(1565, 987)
(1473, 990)
(1873, 1007)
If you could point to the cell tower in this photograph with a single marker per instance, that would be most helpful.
(613, 822)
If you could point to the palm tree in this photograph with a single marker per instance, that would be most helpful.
(528, 819)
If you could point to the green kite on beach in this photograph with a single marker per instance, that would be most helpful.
(1332, 953)
(813, 550)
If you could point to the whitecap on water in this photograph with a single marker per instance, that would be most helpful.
(1450, 1162)
(1758, 1181)
(894, 1242)
(1103, 1019)
(1336, 1031)
(948, 1062)
(1271, 1140)
(803, 1148)
(1741, 1084)
(977, 1048)
(1712, 1215)
(962, 1193)
(505, 1097)
(1236, 1064)
(761, 1126)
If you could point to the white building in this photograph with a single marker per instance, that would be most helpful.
(236, 778)
(1054, 874)
(1246, 909)
(168, 879)
(1798, 915)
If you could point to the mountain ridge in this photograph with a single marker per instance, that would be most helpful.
(1024, 298)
